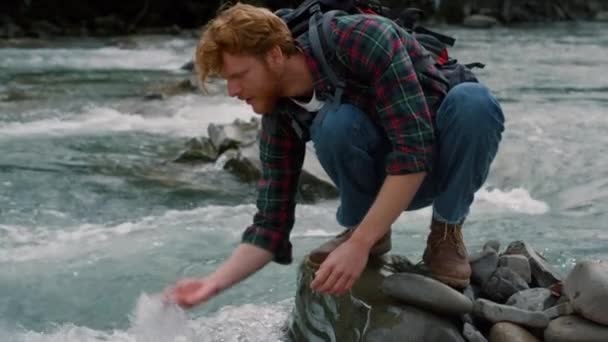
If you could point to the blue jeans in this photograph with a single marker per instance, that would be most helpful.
(352, 150)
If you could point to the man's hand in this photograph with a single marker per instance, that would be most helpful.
(190, 292)
(341, 269)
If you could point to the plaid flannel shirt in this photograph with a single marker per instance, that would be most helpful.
(396, 83)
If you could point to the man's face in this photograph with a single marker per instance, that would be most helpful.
(252, 79)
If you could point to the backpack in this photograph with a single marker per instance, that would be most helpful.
(315, 16)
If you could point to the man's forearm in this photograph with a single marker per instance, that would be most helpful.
(394, 197)
(244, 261)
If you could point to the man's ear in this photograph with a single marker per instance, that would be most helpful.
(275, 57)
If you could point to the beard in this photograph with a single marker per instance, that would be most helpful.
(268, 95)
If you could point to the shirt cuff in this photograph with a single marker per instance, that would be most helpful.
(271, 240)
(401, 163)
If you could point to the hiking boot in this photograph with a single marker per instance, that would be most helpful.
(446, 255)
(319, 254)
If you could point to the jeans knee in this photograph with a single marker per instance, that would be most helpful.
(471, 106)
(334, 133)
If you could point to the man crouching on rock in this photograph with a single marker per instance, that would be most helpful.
(397, 140)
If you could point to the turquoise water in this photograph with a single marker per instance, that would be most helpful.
(95, 220)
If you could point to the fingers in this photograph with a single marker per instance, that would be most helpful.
(320, 276)
(331, 280)
(342, 285)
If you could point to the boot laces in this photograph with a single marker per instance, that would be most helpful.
(451, 234)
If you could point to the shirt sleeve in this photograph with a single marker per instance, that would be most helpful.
(378, 51)
(282, 155)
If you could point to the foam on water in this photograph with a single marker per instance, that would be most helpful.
(93, 59)
(518, 200)
(22, 244)
(190, 116)
(152, 320)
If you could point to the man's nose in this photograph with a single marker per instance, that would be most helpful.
(234, 88)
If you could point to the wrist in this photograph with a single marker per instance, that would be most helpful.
(362, 239)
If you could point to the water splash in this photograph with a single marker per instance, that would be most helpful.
(155, 320)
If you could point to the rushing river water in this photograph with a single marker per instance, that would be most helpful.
(95, 219)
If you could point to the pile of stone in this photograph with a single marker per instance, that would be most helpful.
(235, 148)
(514, 296)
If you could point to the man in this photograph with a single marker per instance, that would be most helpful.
(397, 141)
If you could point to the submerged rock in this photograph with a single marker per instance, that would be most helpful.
(587, 288)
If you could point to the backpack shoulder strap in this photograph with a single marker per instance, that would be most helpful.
(318, 34)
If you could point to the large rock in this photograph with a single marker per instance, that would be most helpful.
(536, 299)
(479, 21)
(472, 334)
(602, 16)
(509, 332)
(519, 264)
(365, 313)
(198, 150)
(503, 283)
(575, 329)
(233, 135)
(562, 309)
(587, 288)
(426, 293)
(543, 274)
(483, 265)
(494, 312)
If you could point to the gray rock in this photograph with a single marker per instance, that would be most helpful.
(198, 150)
(563, 309)
(233, 135)
(364, 314)
(472, 334)
(483, 265)
(411, 324)
(495, 313)
(9, 29)
(503, 284)
(426, 293)
(587, 288)
(575, 329)
(519, 264)
(509, 332)
(492, 244)
(602, 16)
(543, 274)
(241, 167)
(479, 21)
(536, 299)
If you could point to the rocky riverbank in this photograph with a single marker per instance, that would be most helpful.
(48, 18)
(515, 296)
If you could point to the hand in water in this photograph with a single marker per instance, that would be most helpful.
(190, 292)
